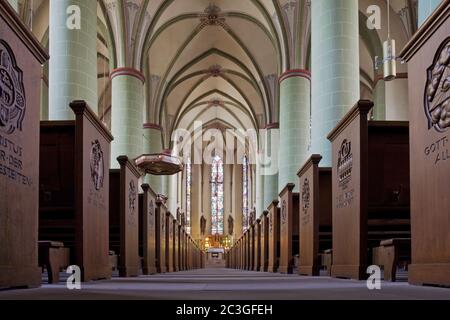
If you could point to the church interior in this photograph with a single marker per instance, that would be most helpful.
(225, 149)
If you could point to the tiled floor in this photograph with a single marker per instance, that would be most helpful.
(225, 284)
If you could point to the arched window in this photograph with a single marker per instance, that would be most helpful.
(188, 196)
(217, 202)
(245, 200)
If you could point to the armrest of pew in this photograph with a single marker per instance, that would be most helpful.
(54, 257)
(388, 255)
(327, 260)
(113, 260)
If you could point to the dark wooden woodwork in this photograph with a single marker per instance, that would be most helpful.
(124, 217)
(160, 236)
(19, 151)
(175, 245)
(74, 189)
(257, 246)
(169, 241)
(315, 212)
(147, 231)
(427, 57)
(54, 257)
(370, 183)
(289, 229)
(391, 254)
(274, 236)
(265, 241)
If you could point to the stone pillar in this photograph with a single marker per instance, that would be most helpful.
(259, 189)
(73, 62)
(196, 199)
(379, 99)
(295, 114)
(127, 115)
(426, 8)
(238, 203)
(335, 68)
(270, 171)
(14, 4)
(153, 144)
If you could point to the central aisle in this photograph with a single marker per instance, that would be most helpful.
(226, 284)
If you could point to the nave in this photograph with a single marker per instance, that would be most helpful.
(229, 285)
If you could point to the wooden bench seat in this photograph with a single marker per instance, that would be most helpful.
(54, 257)
(391, 254)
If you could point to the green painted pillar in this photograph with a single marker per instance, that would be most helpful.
(426, 8)
(14, 4)
(259, 188)
(270, 172)
(127, 113)
(379, 99)
(73, 56)
(152, 145)
(295, 106)
(335, 68)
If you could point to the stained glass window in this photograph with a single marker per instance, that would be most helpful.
(188, 196)
(245, 210)
(217, 211)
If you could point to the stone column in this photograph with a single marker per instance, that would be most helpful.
(295, 107)
(379, 99)
(127, 115)
(335, 68)
(14, 4)
(152, 144)
(196, 201)
(259, 189)
(270, 171)
(426, 8)
(73, 62)
(238, 203)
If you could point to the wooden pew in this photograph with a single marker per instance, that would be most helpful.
(54, 257)
(257, 245)
(390, 254)
(22, 59)
(315, 213)
(176, 248)
(251, 251)
(169, 242)
(428, 65)
(147, 232)
(160, 235)
(265, 241)
(370, 188)
(124, 216)
(289, 244)
(74, 189)
(274, 236)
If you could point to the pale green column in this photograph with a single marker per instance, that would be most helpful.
(295, 106)
(335, 68)
(14, 4)
(259, 190)
(271, 169)
(127, 115)
(379, 99)
(73, 56)
(152, 145)
(426, 8)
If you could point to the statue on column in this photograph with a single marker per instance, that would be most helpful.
(230, 225)
(203, 225)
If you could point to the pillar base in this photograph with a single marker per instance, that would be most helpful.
(310, 271)
(429, 274)
(356, 272)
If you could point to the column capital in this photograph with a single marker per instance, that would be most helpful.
(270, 126)
(153, 126)
(295, 73)
(127, 72)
